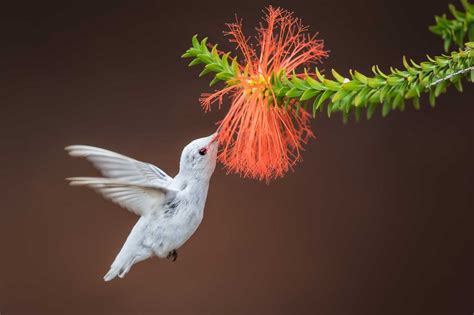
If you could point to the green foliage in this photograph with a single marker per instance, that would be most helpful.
(213, 61)
(390, 91)
(455, 31)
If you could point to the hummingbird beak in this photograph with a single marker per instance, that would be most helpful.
(215, 136)
(212, 139)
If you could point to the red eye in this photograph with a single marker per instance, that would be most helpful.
(203, 151)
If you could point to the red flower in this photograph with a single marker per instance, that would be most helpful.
(259, 137)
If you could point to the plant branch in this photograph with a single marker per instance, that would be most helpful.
(455, 31)
(389, 91)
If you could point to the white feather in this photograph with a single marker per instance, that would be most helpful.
(139, 199)
(114, 165)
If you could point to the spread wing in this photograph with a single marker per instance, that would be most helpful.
(121, 167)
(139, 199)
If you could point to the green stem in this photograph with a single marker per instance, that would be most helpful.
(448, 77)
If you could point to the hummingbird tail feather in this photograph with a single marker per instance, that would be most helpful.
(119, 269)
(132, 252)
(110, 275)
(125, 260)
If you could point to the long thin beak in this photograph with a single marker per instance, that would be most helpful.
(214, 138)
(215, 135)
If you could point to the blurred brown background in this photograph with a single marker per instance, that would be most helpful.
(378, 219)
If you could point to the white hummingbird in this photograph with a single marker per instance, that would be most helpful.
(170, 209)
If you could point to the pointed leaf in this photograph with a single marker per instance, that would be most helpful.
(308, 94)
(339, 78)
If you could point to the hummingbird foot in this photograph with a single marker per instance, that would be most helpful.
(173, 255)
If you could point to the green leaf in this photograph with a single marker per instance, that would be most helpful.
(339, 95)
(194, 62)
(396, 103)
(371, 110)
(213, 67)
(458, 84)
(376, 70)
(441, 61)
(427, 66)
(386, 109)
(187, 54)
(331, 85)
(315, 104)
(319, 75)
(440, 88)
(329, 109)
(298, 106)
(374, 96)
(432, 98)
(324, 96)
(416, 103)
(195, 41)
(235, 65)
(394, 80)
(203, 45)
(224, 76)
(293, 93)
(204, 72)
(352, 85)
(214, 81)
(281, 91)
(308, 94)
(345, 118)
(315, 84)
(298, 83)
(339, 78)
(205, 58)
(361, 97)
(357, 114)
(375, 82)
(413, 92)
(360, 77)
(409, 68)
(384, 92)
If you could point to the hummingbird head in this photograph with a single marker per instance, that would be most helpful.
(199, 156)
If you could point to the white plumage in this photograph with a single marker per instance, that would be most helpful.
(170, 209)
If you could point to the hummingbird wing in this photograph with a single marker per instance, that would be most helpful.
(121, 167)
(139, 199)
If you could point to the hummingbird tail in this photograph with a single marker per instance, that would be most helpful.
(122, 264)
(131, 253)
(110, 275)
(120, 271)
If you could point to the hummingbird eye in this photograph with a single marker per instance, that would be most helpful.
(203, 151)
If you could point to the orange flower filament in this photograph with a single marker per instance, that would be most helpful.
(259, 137)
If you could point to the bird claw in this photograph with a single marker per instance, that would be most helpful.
(173, 255)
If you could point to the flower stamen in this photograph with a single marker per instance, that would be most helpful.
(259, 137)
